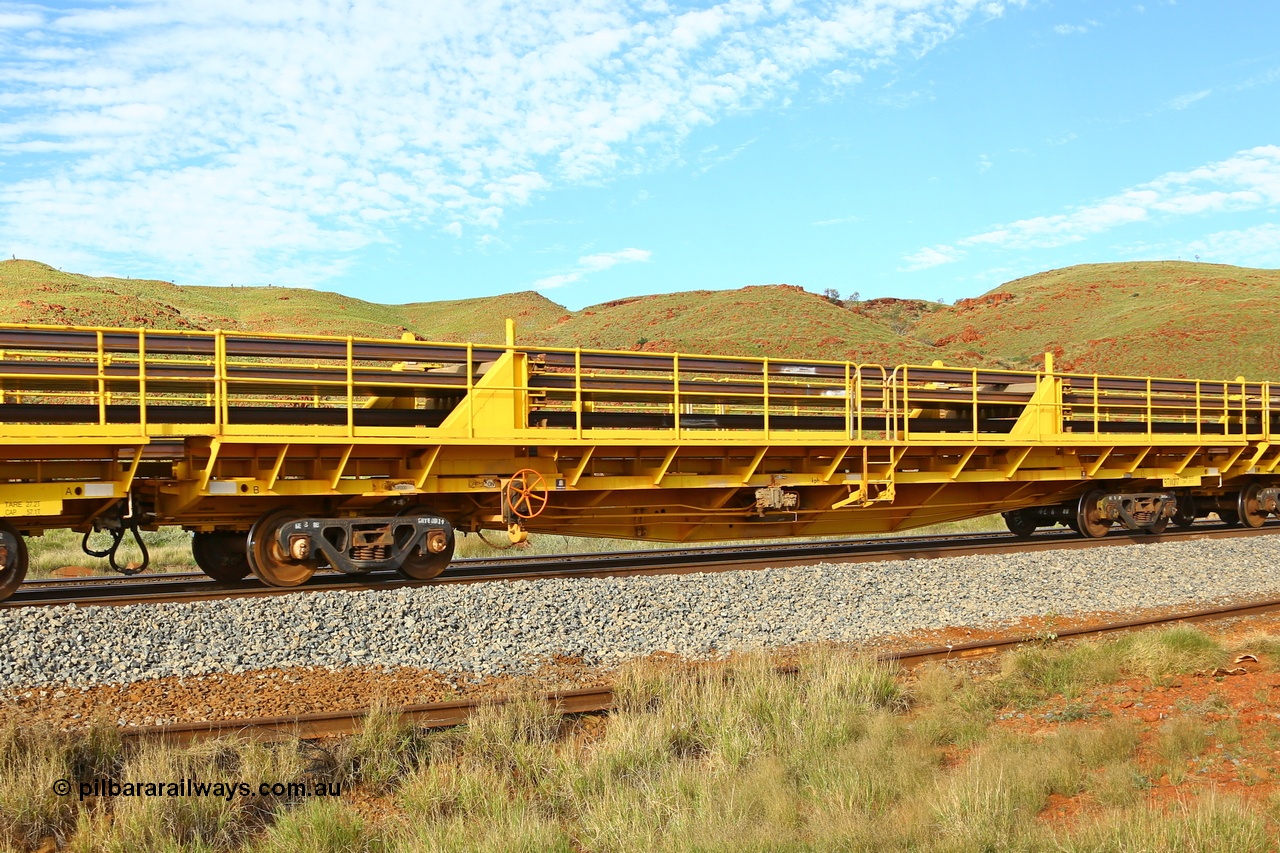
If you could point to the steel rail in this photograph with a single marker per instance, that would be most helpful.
(188, 587)
(600, 699)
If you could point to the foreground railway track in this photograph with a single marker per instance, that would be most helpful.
(600, 699)
(194, 586)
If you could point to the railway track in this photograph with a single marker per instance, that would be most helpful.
(195, 586)
(600, 699)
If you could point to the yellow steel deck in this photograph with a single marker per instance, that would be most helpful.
(209, 430)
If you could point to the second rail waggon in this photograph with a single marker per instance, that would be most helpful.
(284, 454)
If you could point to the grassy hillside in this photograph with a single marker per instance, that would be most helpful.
(32, 292)
(1166, 317)
(774, 320)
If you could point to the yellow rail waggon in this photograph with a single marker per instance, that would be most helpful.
(286, 453)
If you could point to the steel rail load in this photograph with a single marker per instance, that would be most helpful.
(286, 453)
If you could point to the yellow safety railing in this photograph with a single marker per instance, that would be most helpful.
(579, 390)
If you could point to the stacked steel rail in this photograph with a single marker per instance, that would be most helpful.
(284, 453)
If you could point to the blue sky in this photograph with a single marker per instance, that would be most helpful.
(406, 151)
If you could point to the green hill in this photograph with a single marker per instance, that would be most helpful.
(32, 292)
(774, 320)
(1164, 318)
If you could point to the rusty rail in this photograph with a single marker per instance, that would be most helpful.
(600, 699)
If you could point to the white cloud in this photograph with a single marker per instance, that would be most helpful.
(839, 220)
(1258, 245)
(711, 158)
(934, 256)
(19, 20)
(227, 140)
(1250, 180)
(1074, 29)
(588, 264)
(984, 163)
(1183, 101)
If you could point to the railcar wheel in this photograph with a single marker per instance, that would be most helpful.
(268, 560)
(1089, 520)
(1248, 508)
(423, 567)
(1229, 517)
(221, 555)
(1185, 516)
(1020, 523)
(13, 559)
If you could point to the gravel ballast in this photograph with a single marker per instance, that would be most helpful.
(512, 627)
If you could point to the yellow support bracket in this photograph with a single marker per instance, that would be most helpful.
(342, 467)
(576, 474)
(275, 469)
(428, 463)
(1138, 460)
(666, 464)
(750, 470)
(964, 460)
(835, 464)
(214, 446)
(1016, 458)
(1093, 469)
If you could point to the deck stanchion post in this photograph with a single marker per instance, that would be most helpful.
(765, 399)
(1199, 417)
(219, 380)
(848, 400)
(577, 388)
(906, 404)
(1226, 409)
(1150, 411)
(351, 388)
(974, 383)
(471, 384)
(1096, 428)
(102, 382)
(675, 400)
(142, 381)
(1266, 411)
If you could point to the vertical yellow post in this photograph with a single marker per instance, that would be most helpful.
(351, 387)
(857, 391)
(1049, 379)
(975, 403)
(848, 400)
(1199, 422)
(142, 381)
(511, 332)
(1244, 406)
(577, 389)
(906, 404)
(1266, 411)
(1150, 414)
(220, 394)
(675, 398)
(765, 398)
(102, 383)
(1096, 414)
(471, 386)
